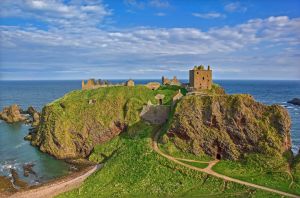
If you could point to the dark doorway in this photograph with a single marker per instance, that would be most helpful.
(218, 157)
(160, 101)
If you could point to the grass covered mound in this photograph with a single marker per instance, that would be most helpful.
(228, 126)
(280, 173)
(133, 169)
(73, 124)
(295, 168)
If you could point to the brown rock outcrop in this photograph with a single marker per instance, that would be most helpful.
(12, 114)
(35, 116)
(229, 126)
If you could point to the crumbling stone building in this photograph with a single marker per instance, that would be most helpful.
(200, 78)
(166, 81)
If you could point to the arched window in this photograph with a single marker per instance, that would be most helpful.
(203, 78)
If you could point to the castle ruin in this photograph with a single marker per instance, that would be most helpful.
(166, 81)
(200, 78)
(129, 83)
(94, 84)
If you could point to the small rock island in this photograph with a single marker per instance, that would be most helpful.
(295, 101)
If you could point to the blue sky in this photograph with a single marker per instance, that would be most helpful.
(81, 39)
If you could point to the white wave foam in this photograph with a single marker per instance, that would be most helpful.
(20, 145)
(5, 167)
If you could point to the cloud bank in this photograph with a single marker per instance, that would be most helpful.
(76, 43)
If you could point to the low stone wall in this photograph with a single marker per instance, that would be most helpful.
(155, 114)
(99, 86)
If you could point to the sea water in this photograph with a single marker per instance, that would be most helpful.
(15, 151)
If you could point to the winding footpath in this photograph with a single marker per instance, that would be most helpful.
(208, 170)
(51, 190)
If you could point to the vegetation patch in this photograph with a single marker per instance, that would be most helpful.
(135, 170)
(72, 125)
(196, 164)
(260, 169)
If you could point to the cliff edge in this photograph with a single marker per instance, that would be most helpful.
(215, 124)
(71, 126)
(228, 126)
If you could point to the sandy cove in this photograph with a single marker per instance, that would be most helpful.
(56, 187)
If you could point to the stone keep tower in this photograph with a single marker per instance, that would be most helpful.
(200, 78)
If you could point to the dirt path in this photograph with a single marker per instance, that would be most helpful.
(191, 160)
(208, 170)
(51, 190)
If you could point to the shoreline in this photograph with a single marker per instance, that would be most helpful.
(56, 186)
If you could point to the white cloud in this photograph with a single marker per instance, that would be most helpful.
(160, 14)
(74, 41)
(235, 7)
(150, 3)
(210, 15)
(56, 12)
(159, 3)
(135, 3)
(172, 41)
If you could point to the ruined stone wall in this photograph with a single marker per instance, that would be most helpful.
(153, 85)
(130, 83)
(174, 81)
(201, 78)
(92, 84)
(155, 114)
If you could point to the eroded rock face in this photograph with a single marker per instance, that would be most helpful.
(27, 170)
(35, 116)
(230, 125)
(55, 138)
(12, 114)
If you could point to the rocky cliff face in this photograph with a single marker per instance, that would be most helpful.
(71, 126)
(66, 138)
(227, 126)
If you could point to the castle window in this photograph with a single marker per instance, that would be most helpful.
(197, 72)
(202, 78)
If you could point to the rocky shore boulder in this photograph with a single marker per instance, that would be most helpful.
(12, 114)
(35, 115)
(229, 126)
(295, 101)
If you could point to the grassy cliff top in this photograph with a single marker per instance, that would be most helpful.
(72, 125)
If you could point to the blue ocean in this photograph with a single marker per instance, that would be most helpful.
(15, 152)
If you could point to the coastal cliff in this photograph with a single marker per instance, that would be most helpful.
(71, 126)
(212, 123)
(229, 126)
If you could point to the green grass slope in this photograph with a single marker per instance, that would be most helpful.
(73, 124)
(133, 169)
(270, 171)
(104, 125)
